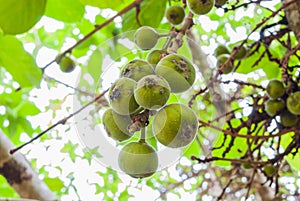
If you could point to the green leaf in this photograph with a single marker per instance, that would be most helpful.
(193, 149)
(104, 3)
(66, 10)
(94, 65)
(54, 184)
(146, 15)
(22, 67)
(294, 161)
(19, 16)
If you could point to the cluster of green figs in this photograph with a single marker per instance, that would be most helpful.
(283, 101)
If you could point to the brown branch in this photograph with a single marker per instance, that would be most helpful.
(62, 121)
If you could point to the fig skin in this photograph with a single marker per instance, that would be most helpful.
(146, 37)
(136, 69)
(269, 170)
(221, 60)
(152, 92)
(241, 54)
(121, 96)
(200, 7)
(220, 3)
(116, 125)
(293, 103)
(175, 125)
(175, 14)
(221, 49)
(274, 106)
(155, 56)
(138, 159)
(275, 89)
(66, 64)
(178, 71)
(288, 119)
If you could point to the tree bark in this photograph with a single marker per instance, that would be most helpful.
(20, 175)
(292, 13)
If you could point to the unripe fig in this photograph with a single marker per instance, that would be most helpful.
(275, 89)
(152, 92)
(116, 125)
(269, 170)
(274, 106)
(219, 3)
(241, 53)
(221, 49)
(246, 166)
(137, 69)
(175, 125)
(155, 56)
(175, 14)
(121, 96)
(178, 71)
(293, 103)
(138, 160)
(146, 37)
(66, 64)
(288, 119)
(200, 7)
(228, 67)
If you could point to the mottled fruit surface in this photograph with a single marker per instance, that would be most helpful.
(200, 7)
(155, 56)
(175, 125)
(121, 96)
(273, 107)
(175, 14)
(138, 160)
(275, 89)
(145, 37)
(178, 71)
(116, 125)
(269, 170)
(136, 69)
(293, 103)
(152, 92)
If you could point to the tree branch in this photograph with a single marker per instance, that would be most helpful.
(20, 175)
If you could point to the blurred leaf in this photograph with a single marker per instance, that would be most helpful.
(66, 10)
(104, 3)
(22, 67)
(69, 148)
(294, 161)
(193, 149)
(54, 184)
(19, 16)
(94, 65)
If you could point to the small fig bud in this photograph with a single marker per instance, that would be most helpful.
(175, 14)
(146, 37)
(275, 89)
(274, 106)
(288, 119)
(293, 103)
(200, 7)
(228, 68)
(66, 64)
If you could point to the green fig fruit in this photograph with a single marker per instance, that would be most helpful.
(293, 103)
(288, 119)
(219, 3)
(66, 64)
(175, 125)
(146, 37)
(275, 89)
(139, 160)
(274, 106)
(246, 166)
(178, 71)
(175, 14)
(152, 92)
(121, 96)
(200, 7)
(155, 56)
(137, 69)
(221, 60)
(241, 54)
(221, 49)
(116, 125)
(269, 170)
